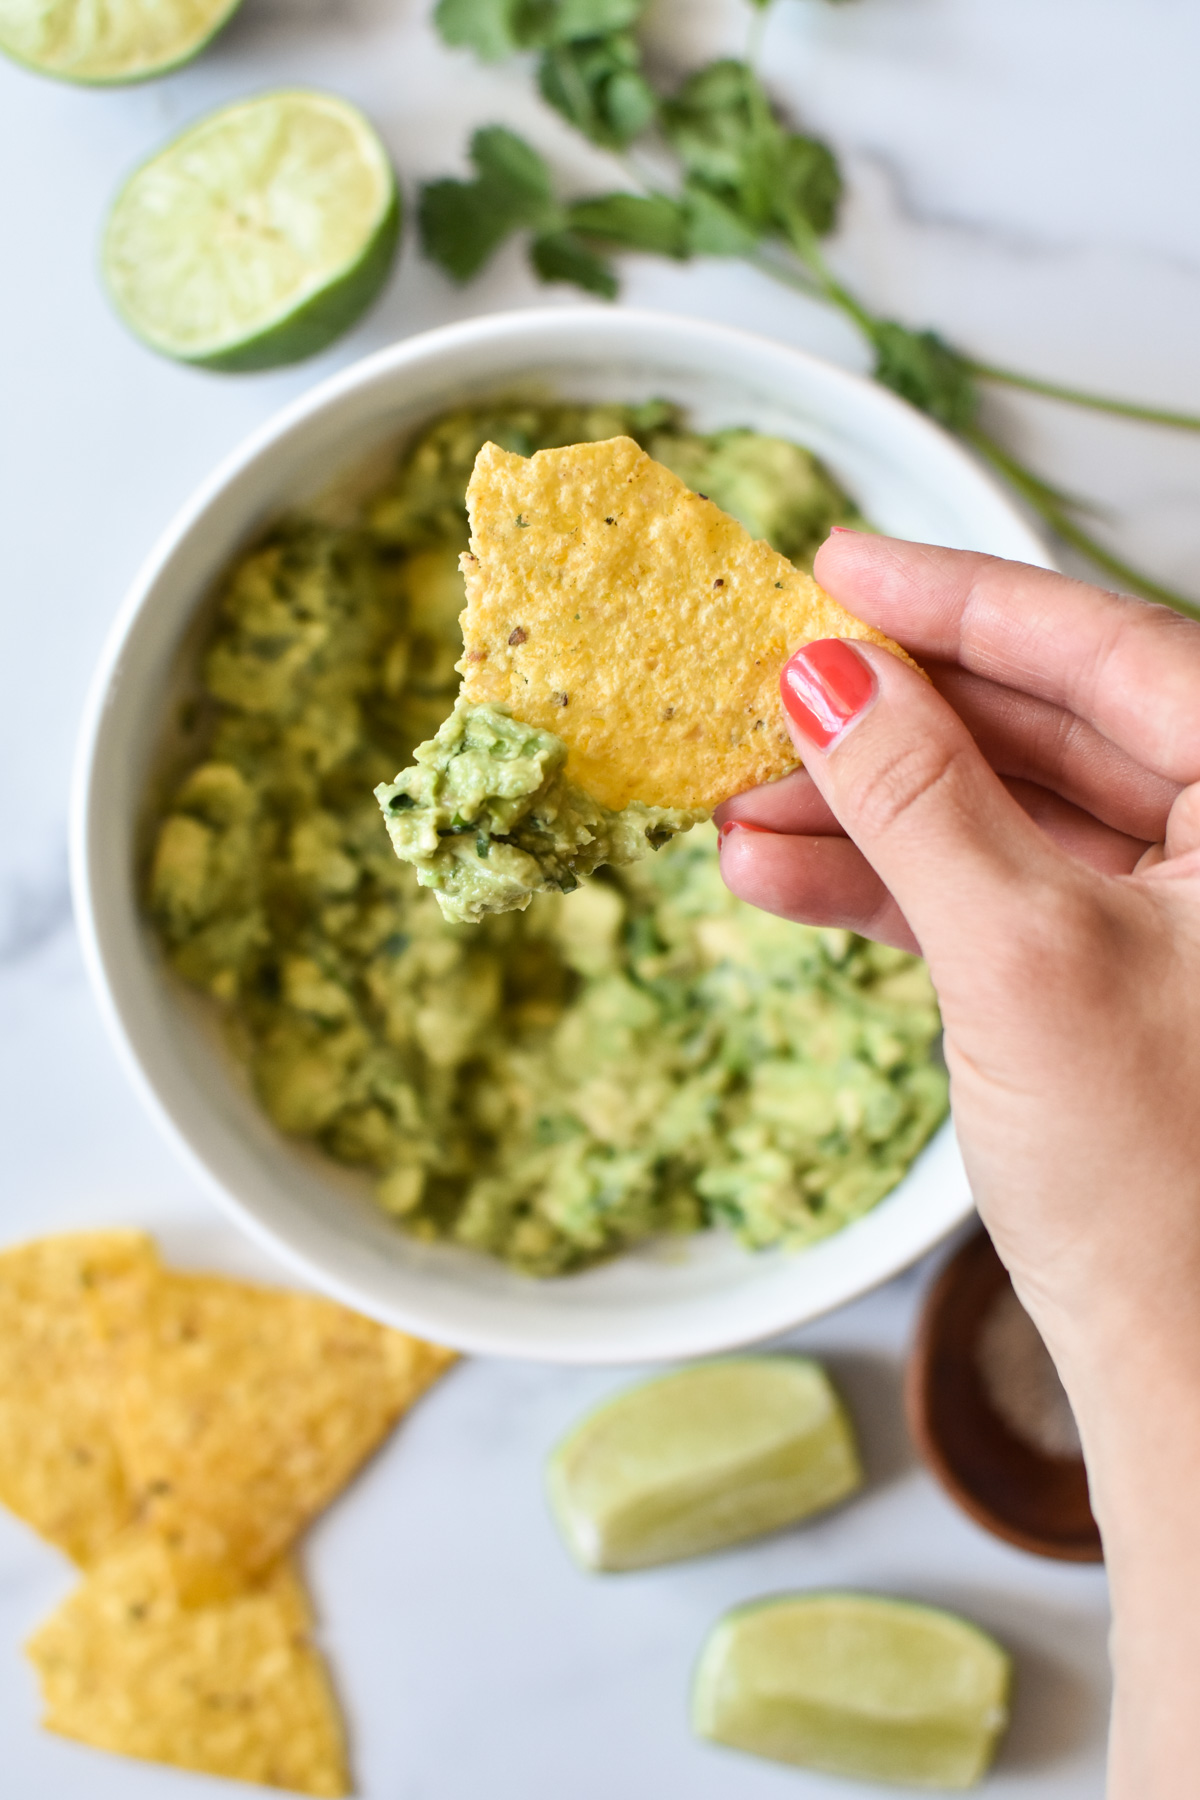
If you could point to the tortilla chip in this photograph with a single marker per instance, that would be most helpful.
(610, 604)
(241, 1411)
(60, 1468)
(233, 1689)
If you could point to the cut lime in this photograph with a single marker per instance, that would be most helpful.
(856, 1686)
(109, 41)
(700, 1459)
(258, 236)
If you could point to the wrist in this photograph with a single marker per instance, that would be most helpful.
(1133, 1378)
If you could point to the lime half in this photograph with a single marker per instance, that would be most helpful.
(706, 1457)
(881, 1690)
(108, 41)
(258, 236)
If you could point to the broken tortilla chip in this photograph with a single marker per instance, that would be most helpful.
(241, 1411)
(60, 1467)
(610, 604)
(234, 1689)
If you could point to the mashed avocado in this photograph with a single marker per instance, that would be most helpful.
(488, 819)
(548, 1086)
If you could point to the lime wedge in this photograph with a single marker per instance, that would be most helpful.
(856, 1686)
(108, 42)
(700, 1459)
(257, 236)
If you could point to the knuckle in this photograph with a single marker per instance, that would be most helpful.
(1064, 740)
(914, 775)
(1066, 945)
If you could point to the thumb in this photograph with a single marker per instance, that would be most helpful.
(907, 783)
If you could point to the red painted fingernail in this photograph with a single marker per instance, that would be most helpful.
(825, 687)
(738, 825)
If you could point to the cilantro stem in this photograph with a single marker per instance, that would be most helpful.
(804, 241)
(640, 170)
(756, 33)
(755, 179)
(1053, 390)
(1053, 507)
(1056, 508)
(573, 84)
(787, 273)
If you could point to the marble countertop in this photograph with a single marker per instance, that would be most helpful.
(1020, 178)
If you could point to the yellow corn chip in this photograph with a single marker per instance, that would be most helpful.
(233, 1689)
(608, 603)
(241, 1411)
(60, 1468)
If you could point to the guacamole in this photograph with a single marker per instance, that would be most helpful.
(488, 819)
(549, 1086)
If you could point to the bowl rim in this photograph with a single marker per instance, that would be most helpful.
(933, 1356)
(544, 324)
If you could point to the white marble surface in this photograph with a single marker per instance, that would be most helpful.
(1022, 179)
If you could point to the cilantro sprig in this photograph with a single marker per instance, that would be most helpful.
(746, 185)
(590, 64)
(463, 223)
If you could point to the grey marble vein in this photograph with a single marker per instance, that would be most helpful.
(33, 909)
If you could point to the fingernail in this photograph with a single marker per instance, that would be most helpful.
(843, 530)
(825, 687)
(723, 831)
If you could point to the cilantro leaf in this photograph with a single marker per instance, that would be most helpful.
(458, 229)
(926, 371)
(733, 148)
(495, 29)
(515, 175)
(712, 228)
(574, 19)
(561, 256)
(810, 181)
(598, 87)
(652, 222)
(488, 27)
(463, 223)
(711, 124)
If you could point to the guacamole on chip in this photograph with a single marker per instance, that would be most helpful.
(488, 819)
(548, 1086)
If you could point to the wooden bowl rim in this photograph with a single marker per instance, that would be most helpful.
(917, 1381)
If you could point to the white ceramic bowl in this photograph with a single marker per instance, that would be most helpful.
(684, 1300)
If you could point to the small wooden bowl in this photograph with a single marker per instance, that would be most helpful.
(1040, 1503)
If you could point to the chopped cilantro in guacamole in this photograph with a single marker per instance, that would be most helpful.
(488, 819)
(550, 1086)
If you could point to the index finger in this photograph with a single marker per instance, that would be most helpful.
(1129, 668)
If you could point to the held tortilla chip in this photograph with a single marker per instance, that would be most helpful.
(233, 1689)
(60, 1467)
(608, 603)
(242, 1410)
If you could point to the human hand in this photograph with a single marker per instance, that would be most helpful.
(1030, 820)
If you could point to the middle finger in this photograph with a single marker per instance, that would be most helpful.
(1031, 739)
(818, 877)
(1024, 739)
